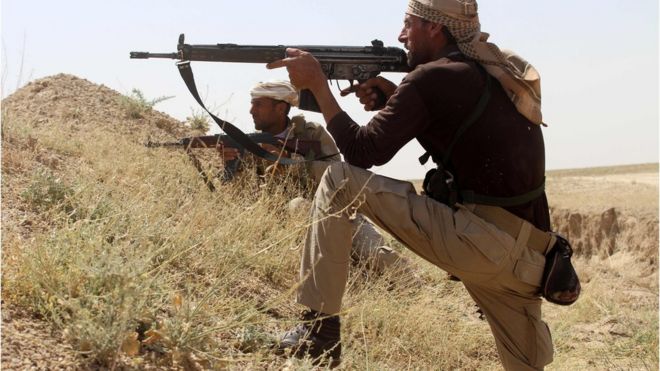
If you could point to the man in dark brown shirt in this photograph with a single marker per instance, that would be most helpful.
(497, 158)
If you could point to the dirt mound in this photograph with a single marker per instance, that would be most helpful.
(30, 344)
(69, 102)
(45, 123)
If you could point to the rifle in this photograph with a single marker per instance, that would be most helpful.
(309, 149)
(338, 62)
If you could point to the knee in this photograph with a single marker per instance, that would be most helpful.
(336, 172)
(331, 184)
(333, 176)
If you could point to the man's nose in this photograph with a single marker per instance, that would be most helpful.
(402, 36)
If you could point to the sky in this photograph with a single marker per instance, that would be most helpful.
(598, 60)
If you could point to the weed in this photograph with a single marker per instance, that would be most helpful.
(198, 120)
(47, 191)
(136, 105)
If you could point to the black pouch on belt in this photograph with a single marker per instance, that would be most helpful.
(560, 281)
(439, 185)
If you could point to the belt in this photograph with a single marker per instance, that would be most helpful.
(512, 225)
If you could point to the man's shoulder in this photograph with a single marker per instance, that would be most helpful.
(306, 130)
(441, 67)
(445, 74)
(303, 128)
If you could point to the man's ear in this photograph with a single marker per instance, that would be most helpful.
(435, 29)
(281, 106)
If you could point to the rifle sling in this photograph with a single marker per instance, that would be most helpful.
(231, 130)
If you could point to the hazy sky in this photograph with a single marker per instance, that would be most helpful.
(598, 59)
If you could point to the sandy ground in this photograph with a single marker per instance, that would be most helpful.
(634, 192)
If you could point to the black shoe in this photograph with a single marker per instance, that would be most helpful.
(317, 337)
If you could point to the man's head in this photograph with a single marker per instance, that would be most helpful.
(271, 102)
(430, 25)
(460, 19)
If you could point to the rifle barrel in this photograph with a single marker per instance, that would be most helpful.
(146, 55)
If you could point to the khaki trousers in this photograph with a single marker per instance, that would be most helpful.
(501, 274)
(368, 244)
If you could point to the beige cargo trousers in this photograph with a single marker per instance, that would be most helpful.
(499, 272)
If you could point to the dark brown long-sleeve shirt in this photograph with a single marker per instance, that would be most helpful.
(500, 155)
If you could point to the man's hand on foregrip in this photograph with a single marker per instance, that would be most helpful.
(373, 93)
(304, 70)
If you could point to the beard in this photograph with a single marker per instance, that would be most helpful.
(412, 59)
(259, 125)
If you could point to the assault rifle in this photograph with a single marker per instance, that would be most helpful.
(309, 149)
(338, 62)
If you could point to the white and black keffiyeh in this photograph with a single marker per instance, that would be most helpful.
(519, 78)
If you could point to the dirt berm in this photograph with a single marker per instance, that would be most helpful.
(608, 211)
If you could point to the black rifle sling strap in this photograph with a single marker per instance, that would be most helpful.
(468, 196)
(469, 120)
(231, 130)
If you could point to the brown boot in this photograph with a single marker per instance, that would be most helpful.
(317, 337)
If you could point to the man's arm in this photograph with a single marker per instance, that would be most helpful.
(305, 72)
(372, 144)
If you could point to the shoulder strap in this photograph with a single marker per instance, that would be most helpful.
(469, 120)
(468, 196)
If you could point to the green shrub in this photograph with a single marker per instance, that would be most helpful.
(136, 105)
(198, 120)
(46, 191)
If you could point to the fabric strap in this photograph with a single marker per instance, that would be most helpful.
(469, 196)
(520, 80)
(235, 133)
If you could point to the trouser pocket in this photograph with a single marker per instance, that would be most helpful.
(529, 267)
(485, 249)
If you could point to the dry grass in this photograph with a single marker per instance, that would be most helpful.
(125, 253)
(119, 239)
(605, 170)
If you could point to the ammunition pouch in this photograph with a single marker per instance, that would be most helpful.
(439, 185)
(560, 284)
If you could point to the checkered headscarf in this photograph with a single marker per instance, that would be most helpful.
(520, 79)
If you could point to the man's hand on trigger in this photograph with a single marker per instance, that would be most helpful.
(228, 153)
(368, 94)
